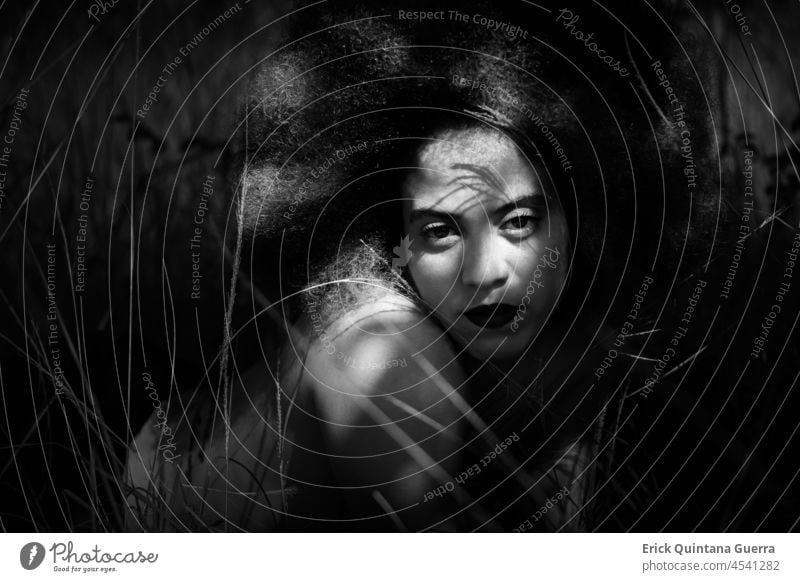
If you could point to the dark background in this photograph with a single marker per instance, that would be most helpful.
(716, 444)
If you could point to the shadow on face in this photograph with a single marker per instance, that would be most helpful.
(489, 246)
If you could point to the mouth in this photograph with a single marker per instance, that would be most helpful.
(493, 316)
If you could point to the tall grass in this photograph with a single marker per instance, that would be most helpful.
(64, 453)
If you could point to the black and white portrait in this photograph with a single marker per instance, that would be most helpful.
(400, 266)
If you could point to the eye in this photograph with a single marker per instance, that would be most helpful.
(522, 224)
(438, 231)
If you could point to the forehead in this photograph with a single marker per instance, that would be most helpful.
(470, 163)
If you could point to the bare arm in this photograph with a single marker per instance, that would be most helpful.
(388, 398)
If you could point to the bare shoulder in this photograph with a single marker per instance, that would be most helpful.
(384, 346)
(386, 384)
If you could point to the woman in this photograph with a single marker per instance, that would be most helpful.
(387, 390)
(423, 208)
(390, 381)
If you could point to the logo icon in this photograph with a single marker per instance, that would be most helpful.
(31, 555)
(403, 253)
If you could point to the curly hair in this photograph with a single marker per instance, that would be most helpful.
(334, 116)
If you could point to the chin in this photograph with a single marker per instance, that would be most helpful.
(492, 346)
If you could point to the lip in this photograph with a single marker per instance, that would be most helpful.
(492, 316)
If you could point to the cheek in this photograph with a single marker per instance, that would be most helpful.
(522, 261)
(554, 283)
(434, 276)
(558, 237)
(540, 272)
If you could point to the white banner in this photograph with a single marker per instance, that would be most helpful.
(400, 557)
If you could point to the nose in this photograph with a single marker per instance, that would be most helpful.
(483, 266)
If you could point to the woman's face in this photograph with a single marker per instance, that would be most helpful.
(489, 248)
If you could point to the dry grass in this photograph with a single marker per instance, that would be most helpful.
(65, 454)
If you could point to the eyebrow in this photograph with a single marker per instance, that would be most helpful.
(528, 201)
